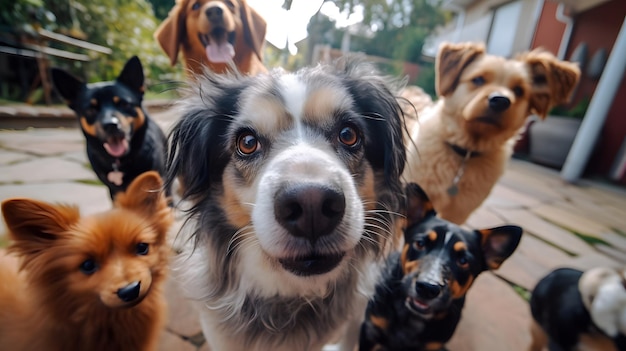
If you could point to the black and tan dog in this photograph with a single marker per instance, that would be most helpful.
(421, 293)
(122, 141)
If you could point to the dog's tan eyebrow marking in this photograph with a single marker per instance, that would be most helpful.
(323, 103)
(432, 235)
(266, 114)
(116, 99)
(93, 102)
(459, 246)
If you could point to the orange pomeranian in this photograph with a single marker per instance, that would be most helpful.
(70, 283)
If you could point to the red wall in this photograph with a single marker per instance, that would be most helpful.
(598, 27)
(549, 31)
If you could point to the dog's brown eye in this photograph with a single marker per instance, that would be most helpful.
(478, 81)
(348, 136)
(518, 91)
(247, 143)
(462, 261)
(88, 266)
(420, 243)
(195, 6)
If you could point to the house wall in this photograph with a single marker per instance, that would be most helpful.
(598, 27)
(549, 31)
(478, 21)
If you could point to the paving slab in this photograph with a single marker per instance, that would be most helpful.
(603, 212)
(10, 157)
(483, 218)
(572, 221)
(45, 170)
(88, 198)
(183, 314)
(502, 196)
(593, 260)
(531, 261)
(495, 318)
(547, 231)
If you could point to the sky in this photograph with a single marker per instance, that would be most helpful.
(282, 24)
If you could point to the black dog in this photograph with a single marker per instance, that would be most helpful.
(562, 305)
(122, 141)
(418, 302)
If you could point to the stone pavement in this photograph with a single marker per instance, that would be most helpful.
(565, 225)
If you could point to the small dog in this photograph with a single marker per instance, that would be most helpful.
(85, 283)
(459, 147)
(214, 34)
(575, 310)
(122, 141)
(293, 180)
(421, 294)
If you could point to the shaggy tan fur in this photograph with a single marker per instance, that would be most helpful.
(466, 78)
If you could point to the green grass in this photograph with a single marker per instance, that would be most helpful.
(90, 182)
(522, 292)
(592, 240)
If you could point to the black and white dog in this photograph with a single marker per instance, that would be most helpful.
(293, 183)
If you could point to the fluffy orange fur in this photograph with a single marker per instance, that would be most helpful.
(48, 302)
(466, 78)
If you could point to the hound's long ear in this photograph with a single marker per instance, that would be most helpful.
(254, 28)
(171, 31)
(450, 63)
(553, 80)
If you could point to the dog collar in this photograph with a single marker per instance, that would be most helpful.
(453, 190)
(463, 151)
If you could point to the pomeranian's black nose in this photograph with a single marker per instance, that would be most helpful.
(130, 292)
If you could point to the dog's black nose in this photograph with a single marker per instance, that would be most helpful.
(427, 290)
(309, 211)
(498, 103)
(130, 292)
(214, 13)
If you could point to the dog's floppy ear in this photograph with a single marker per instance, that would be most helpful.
(67, 85)
(553, 80)
(34, 225)
(418, 206)
(254, 28)
(499, 243)
(132, 75)
(171, 32)
(451, 61)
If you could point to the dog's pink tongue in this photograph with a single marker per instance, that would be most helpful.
(220, 52)
(116, 148)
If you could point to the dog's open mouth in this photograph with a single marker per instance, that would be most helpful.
(311, 264)
(218, 48)
(116, 146)
(417, 306)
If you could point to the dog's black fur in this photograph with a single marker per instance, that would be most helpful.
(421, 294)
(557, 306)
(122, 141)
